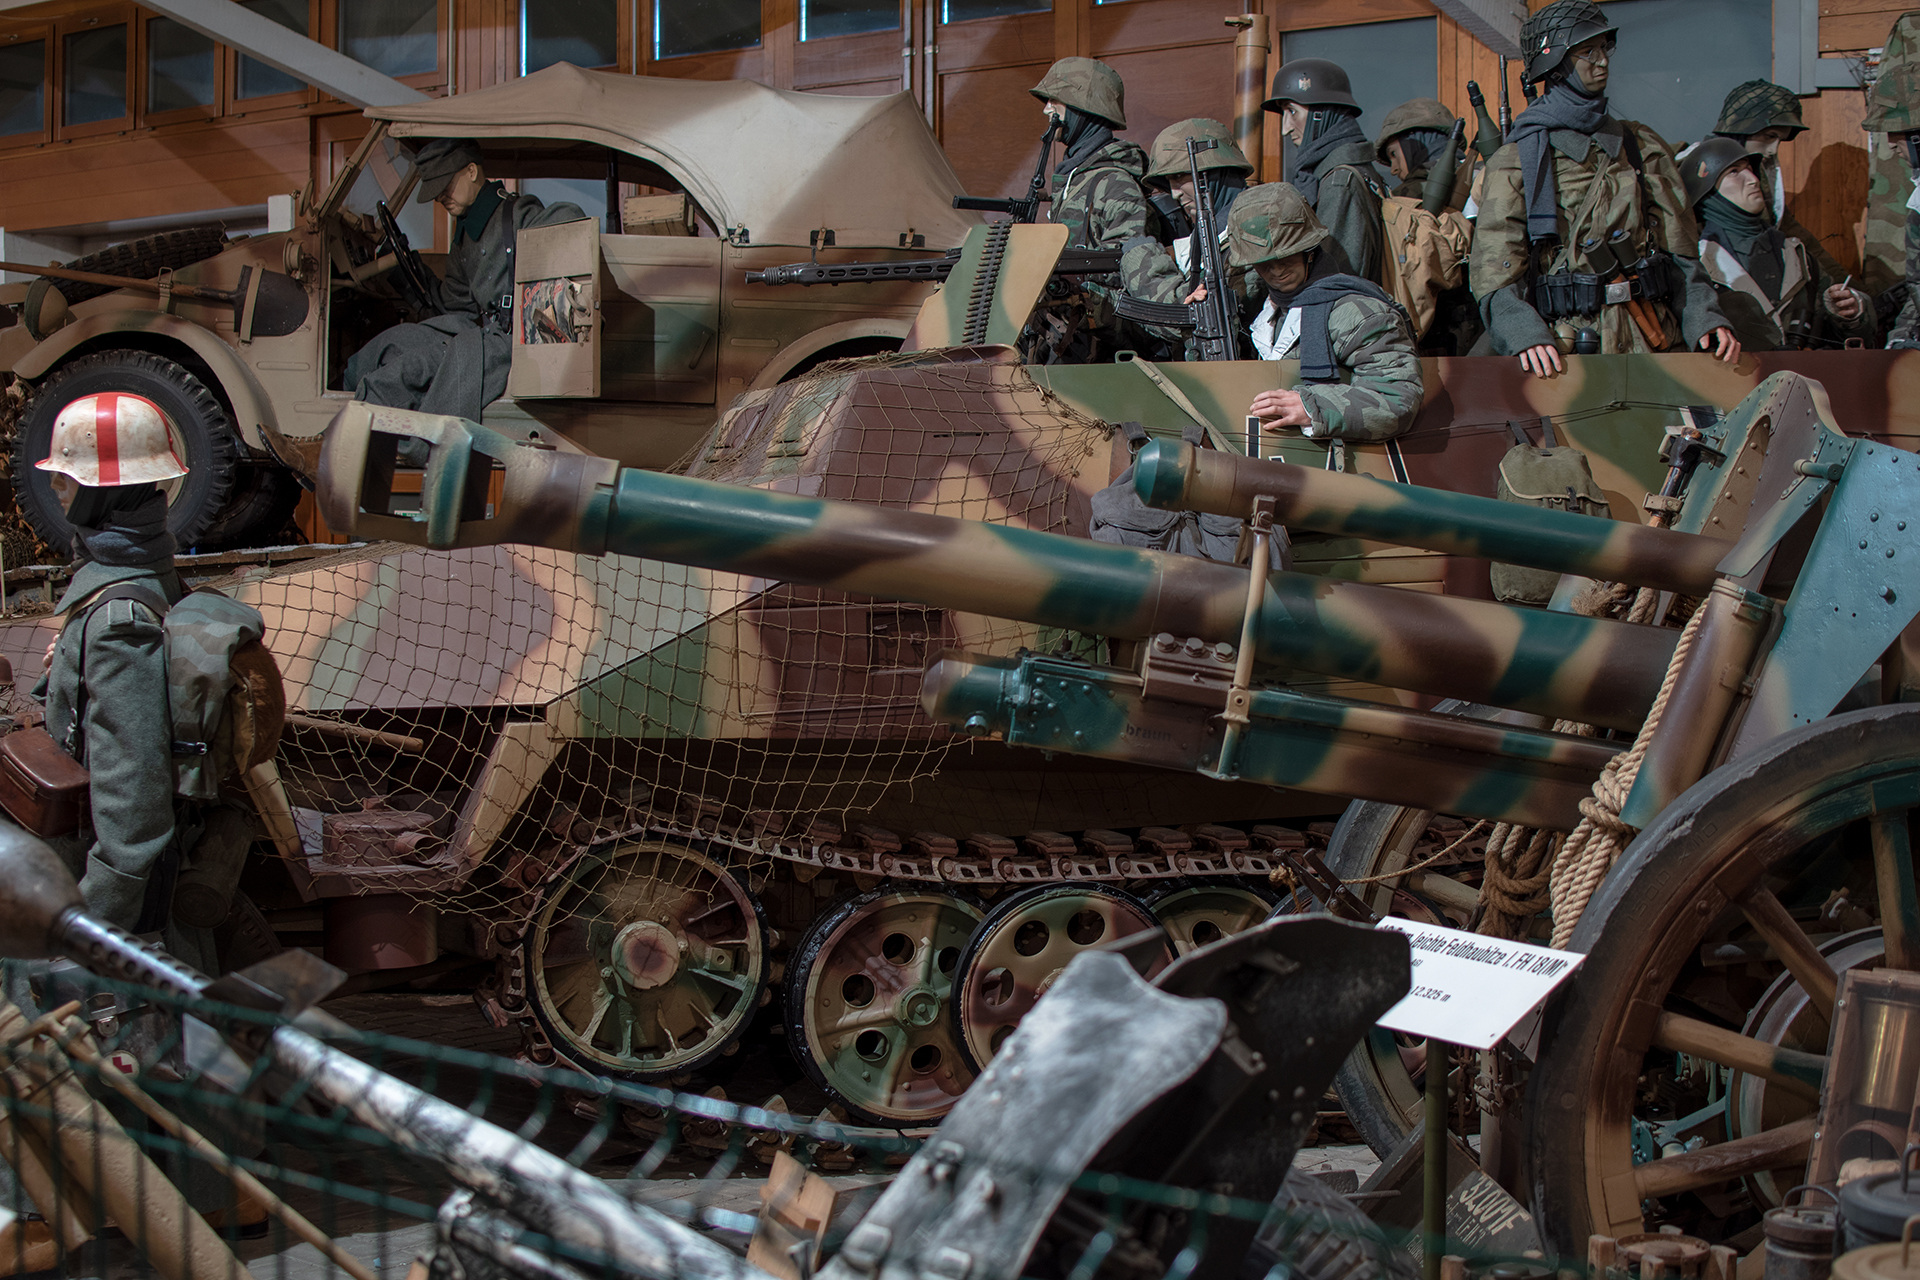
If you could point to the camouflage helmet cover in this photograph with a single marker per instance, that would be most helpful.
(1418, 113)
(1271, 222)
(1895, 106)
(1757, 105)
(1547, 35)
(1088, 85)
(1168, 156)
(1701, 168)
(1311, 82)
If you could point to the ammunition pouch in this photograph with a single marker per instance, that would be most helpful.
(1655, 278)
(1660, 279)
(1567, 293)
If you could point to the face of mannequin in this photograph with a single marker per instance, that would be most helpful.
(1182, 185)
(1591, 60)
(1741, 186)
(1284, 275)
(463, 190)
(1767, 141)
(65, 489)
(1293, 121)
(1397, 160)
(1053, 111)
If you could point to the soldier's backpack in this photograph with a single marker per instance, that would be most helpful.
(225, 696)
(1120, 517)
(1547, 476)
(1424, 255)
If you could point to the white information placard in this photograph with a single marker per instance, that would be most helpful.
(1469, 989)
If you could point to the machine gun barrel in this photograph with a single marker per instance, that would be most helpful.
(1593, 670)
(1178, 477)
(1072, 262)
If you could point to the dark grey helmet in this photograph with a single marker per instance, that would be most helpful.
(1700, 168)
(1548, 34)
(1311, 82)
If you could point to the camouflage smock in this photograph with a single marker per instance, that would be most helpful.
(1100, 200)
(1348, 205)
(457, 362)
(126, 736)
(1380, 388)
(1152, 271)
(1906, 326)
(1762, 324)
(1656, 217)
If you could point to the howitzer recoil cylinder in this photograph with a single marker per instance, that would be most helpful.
(1593, 670)
(1178, 477)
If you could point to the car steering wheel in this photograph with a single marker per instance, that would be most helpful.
(416, 281)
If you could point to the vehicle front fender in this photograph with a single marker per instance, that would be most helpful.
(802, 349)
(156, 331)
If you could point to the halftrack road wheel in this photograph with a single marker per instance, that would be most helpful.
(1022, 946)
(1200, 912)
(867, 1003)
(645, 959)
(1744, 867)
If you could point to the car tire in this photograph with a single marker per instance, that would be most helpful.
(205, 431)
(262, 502)
(144, 259)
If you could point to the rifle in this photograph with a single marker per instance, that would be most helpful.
(1215, 320)
(1488, 137)
(1028, 209)
(1072, 262)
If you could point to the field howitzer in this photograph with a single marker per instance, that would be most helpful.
(1757, 667)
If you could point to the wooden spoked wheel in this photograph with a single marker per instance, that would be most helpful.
(1024, 944)
(646, 959)
(867, 1003)
(1737, 882)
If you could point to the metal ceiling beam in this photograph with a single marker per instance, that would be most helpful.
(265, 40)
(1494, 23)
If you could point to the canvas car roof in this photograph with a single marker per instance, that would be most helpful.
(781, 164)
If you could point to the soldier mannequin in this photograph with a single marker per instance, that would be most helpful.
(1333, 160)
(1770, 286)
(456, 360)
(1895, 111)
(1763, 115)
(1411, 140)
(1172, 274)
(1360, 377)
(1536, 231)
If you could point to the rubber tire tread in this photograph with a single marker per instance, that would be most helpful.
(206, 431)
(1316, 1233)
(1650, 893)
(144, 259)
(263, 500)
(793, 998)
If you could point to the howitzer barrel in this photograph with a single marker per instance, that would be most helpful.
(1594, 670)
(1179, 477)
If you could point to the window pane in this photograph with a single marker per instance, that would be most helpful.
(1658, 75)
(704, 26)
(96, 76)
(962, 10)
(394, 37)
(1388, 63)
(180, 67)
(822, 18)
(23, 87)
(576, 31)
(257, 79)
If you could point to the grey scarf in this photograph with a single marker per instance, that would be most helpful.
(1305, 177)
(1561, 107)
(123, 526)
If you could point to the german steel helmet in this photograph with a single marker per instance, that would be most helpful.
(1700, 170)
(1088, 85)
(1419, 113)
(1757, 105)
(112, 438)
(1271, 222)
(1895, 107)
(1168, 157)
(1312, 82)
(1547, 35)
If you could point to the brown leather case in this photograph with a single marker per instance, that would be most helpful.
(41, 787)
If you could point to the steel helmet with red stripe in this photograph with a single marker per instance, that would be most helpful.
(113, 438)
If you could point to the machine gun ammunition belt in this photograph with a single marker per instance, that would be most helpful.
(980, 301)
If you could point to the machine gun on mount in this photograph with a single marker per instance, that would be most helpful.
(1214, 317)
(1718, 744)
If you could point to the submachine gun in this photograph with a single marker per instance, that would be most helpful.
(1214, 319)
(1191, 705)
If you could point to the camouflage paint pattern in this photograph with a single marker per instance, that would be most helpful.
(1025, 266)
(1888, 252)
(1099, 201)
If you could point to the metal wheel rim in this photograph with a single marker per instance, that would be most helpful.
(889, 1050)
(989, 1006)
(1216, 911)
(595, 1005)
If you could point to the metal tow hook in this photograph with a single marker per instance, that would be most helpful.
(1239, 696)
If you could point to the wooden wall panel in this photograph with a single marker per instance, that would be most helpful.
(849, 60)
(156, 174)
(1136, 25)
(991, 127)
(1165, 85)
(1825, 172)
(1463, 58)
(1855, 25)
